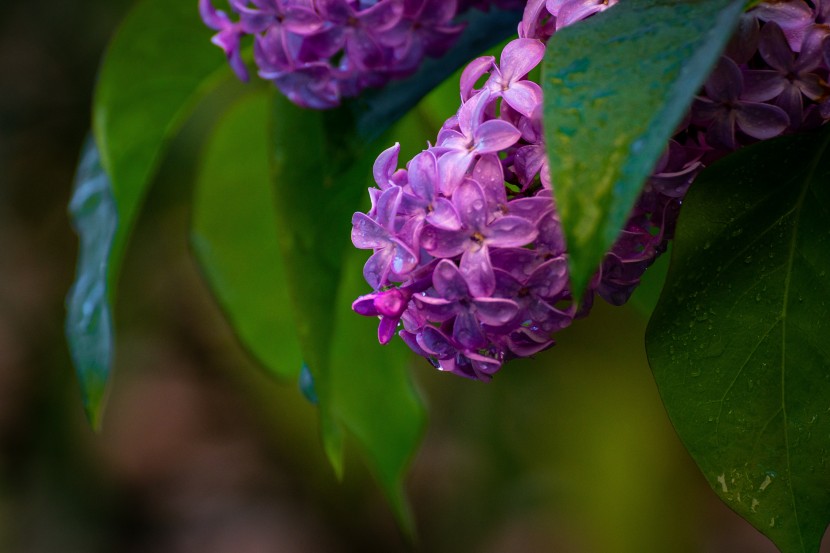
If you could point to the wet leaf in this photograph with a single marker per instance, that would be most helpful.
(235, 239)
(157, 65)
(616, 87)
(740, 341)
(89, 330)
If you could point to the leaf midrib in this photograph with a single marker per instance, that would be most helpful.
(797, 209)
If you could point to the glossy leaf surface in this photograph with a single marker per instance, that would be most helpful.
(155, 68)
(89, 330)
(234, 237)
(157, 65)
(740, 341)
(616, 86)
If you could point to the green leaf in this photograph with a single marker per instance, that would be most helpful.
(235, 238)
(156, 67)
(319, 181)
(740, 341)
(362, 387)
(159, 63)
(373, 394)
(88, 316)
(616, 87)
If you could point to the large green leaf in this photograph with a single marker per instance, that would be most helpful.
(616, 86)
(740, 341)
(235, 238)
(157, 65)
(321, 181)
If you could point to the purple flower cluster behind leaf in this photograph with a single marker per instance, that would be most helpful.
(469, 264)
(319, 51)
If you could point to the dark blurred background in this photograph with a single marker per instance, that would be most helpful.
(201, 452)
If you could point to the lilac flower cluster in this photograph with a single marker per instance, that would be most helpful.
(318, 51)
(469, 262)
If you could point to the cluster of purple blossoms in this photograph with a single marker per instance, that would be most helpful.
(469, 261)
(318, 51)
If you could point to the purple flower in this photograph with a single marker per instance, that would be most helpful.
(722, 110)
(455, 299)
(476, 236)
(391, 255)
(474, 137)
(361, 30)
(474, 216)
(792, 75)
(508, 79)
(424, 203)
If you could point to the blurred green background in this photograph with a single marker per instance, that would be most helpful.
(201, 452)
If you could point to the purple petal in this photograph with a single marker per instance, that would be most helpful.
(382, 16)
(365, 305)
(448, 281)
(411, 340)
(436, 343)
(495, 135)
(423, 175)
(376, 269)
(478, 271)
(302, 21)
(510, 231)
(452, 167)
(444, 215)
(526, 343)
(469, 201)
(550, 278)
(404, 259)
(495, 311)
(721, 131)
(472, 73)
(725, 83)
(436, 309)
(483, 365)
(387, 207)
(774, 48)
(386, 329)
(385, 165)
(523, 96)
(367, 234)
(519, 57)
(762, 85)
(761, 121)
(467, 331)
(336, 11)
(213, 18)
(489, 173)
(794, 17)
(518, 262)
(444, 243)
(792, 103)
(532, 209)
(471, 112)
